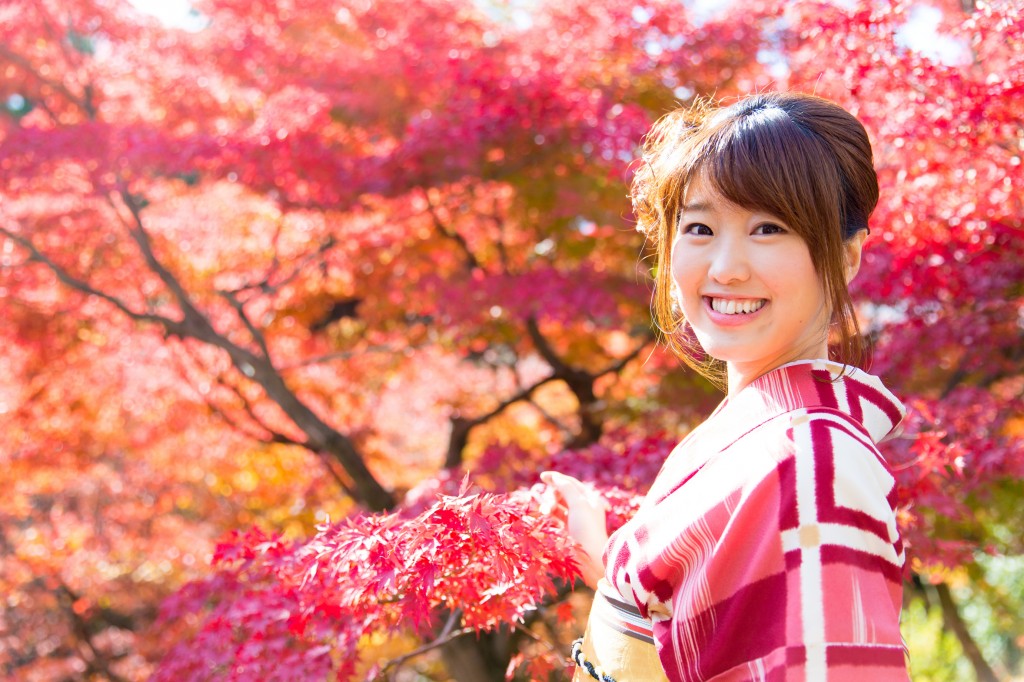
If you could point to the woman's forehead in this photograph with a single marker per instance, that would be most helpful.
(699, 192)
(701, 195)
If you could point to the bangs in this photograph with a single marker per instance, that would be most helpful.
(762, 160)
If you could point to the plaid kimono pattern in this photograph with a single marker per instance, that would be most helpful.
(767, 548)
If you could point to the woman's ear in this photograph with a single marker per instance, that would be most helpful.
(852, 248)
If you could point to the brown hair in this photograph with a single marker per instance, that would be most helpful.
(799, 157)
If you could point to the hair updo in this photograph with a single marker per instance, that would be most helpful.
(799, 157)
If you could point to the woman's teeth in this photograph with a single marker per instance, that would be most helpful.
(732, 306)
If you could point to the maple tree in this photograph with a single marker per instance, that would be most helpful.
(292, 274)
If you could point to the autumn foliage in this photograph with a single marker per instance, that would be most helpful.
(299, 298)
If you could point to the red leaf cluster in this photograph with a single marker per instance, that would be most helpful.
(274, 610)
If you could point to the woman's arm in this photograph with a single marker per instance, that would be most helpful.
(585, 510)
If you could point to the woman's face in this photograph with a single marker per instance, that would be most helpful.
(747, 286)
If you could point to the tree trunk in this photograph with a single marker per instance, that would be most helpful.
(477, 658)
(457, 441)
(951, 616)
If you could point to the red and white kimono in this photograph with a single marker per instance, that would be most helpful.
(767, 547)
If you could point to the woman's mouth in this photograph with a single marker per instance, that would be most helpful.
(736, 306)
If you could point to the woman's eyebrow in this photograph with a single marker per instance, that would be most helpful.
(696, 206)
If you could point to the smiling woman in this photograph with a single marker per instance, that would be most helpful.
(767, 548)
(802, 161)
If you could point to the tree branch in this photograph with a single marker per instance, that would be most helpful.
(579, 382)
(554, 421)
(447, 634)
(502, 250)
(575, 379)
(247, 407)
(266, 286)
(57, 86)
(98, 662)
(544, 348)
(346, 355)
(84, 287)
(563, 369)
(451, 233)
(461, 426)
(321, 438)
(257, 335)
(196, 323)
(85, 102)
(500, 241)
(621, 363)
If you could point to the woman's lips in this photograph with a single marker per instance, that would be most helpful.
(731, 319)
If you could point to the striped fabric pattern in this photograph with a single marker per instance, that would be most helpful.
(767, 548)
(620, 616)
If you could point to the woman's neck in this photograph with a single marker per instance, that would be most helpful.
(740, 375)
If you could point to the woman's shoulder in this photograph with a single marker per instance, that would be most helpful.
(808, 391)
(818, 437)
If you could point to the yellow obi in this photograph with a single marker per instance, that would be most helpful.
(618, 641)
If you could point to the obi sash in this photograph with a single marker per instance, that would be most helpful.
(619, 640)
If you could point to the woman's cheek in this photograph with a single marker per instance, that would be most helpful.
(681, 267)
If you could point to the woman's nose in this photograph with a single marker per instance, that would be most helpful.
(728, 263)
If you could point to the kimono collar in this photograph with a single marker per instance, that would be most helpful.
(811, 384)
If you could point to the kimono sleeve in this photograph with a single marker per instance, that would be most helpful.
(842, 552)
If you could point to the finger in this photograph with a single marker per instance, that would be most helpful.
(573, 491)
(557, 478)
(561, 484)
(564, 483)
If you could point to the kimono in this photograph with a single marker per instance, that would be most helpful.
(767, 547)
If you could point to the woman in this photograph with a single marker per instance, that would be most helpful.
(767, 547)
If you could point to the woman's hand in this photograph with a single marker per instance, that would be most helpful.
(585, 511)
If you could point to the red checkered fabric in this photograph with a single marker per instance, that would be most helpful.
(767, 548)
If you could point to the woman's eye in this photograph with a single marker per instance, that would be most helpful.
(698, 229)
(769, 228)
